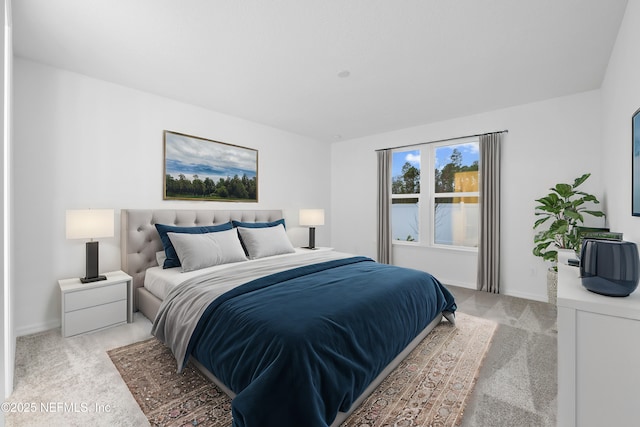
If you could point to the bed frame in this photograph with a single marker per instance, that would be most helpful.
(140, 241)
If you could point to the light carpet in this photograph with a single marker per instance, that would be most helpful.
(429, 388)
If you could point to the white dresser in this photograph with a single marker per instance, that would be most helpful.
(88, 307)
(598, 355)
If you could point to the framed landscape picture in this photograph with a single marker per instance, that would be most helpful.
(202, 169)
(635, 167)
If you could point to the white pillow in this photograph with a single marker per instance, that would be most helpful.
(197, 251)
(160, 257)
(267, 241)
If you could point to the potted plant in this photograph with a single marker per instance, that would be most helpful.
(564, 207)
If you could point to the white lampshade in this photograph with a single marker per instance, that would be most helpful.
(89, 223)
(311, 217)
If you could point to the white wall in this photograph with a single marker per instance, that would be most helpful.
(86, 143)
(4, 332)
(548, 142)
(621, 98)
(7, 334)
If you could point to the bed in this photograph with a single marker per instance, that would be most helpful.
(314, 331)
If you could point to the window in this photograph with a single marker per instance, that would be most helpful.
(455, 204)
(405, 196)
(449, 201)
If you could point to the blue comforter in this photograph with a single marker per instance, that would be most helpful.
(298, 346)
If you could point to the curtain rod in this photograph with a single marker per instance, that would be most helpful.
(442, 140)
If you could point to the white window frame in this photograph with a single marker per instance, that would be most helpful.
(427, 196)
(420, 196)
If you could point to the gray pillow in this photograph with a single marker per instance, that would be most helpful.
(262, 242)
(197, 251)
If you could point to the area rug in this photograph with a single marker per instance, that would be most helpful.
(429, 388)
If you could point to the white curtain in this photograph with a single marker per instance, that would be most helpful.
(489, 244)
(384, 201)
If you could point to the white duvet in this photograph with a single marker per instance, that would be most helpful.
(161, 281)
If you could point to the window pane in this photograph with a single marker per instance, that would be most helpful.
(456, 221)
(405, 172)
(456, 168)
(404, 219)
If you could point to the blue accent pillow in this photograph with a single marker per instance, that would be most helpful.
(172, 259)
(258, 224)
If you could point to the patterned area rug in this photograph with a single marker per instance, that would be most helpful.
(429, 388)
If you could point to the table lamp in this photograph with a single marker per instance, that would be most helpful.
(90, 224)
(311, 218)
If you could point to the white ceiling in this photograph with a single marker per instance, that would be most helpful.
(277, 62)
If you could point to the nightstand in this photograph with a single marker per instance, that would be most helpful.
(87, 307)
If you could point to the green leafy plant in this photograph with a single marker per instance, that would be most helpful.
(564, 207)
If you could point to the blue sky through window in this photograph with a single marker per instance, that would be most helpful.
(401, 157)
(469, 153)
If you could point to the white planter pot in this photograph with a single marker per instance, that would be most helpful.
(552, 285)
(552, 275)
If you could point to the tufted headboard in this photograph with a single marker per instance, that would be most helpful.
(139, 240)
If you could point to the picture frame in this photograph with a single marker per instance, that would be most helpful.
(635, 165)
(202, 169)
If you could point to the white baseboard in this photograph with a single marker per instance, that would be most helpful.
(37, 328)
(524, 295)
(458, 284)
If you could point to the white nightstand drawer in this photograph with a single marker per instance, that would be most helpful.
(89, 319)
(91, 306)
(96, 296)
